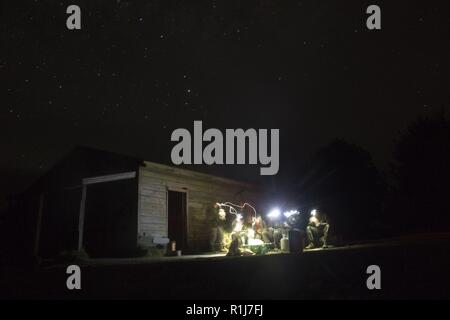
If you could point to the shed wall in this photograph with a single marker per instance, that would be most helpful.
(202, 192)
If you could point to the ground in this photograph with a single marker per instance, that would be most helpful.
(409, 269)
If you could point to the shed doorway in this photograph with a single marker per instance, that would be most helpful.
(177, 218)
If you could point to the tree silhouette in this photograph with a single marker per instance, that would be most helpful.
(421, 172)
(344, 184)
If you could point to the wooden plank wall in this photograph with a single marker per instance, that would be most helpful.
(202, 192)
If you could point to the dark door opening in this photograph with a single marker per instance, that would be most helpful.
(177, 220)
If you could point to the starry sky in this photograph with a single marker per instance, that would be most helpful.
(137, 70)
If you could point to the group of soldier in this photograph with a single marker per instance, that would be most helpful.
(268, 231)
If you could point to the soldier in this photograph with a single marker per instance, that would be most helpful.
(273, 233)
(218, 225)
(317, 231)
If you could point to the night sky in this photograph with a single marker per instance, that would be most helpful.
(137, 70)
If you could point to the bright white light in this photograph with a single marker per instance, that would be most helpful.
(251, 233)
(239, 225)
(222, 214)
(313, 212)
(289, 213)
(275, 213)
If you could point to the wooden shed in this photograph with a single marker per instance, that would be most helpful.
(110, 205)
